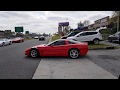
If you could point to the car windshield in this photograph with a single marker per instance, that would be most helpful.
(73, 42)
(69, 34)
(50, 43)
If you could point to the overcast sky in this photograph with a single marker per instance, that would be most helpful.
(46, 21)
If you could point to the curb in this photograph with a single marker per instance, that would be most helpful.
(106, 48)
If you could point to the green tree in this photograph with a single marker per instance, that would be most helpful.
(117, 14)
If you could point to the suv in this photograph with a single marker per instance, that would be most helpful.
(69, 35)
(86, 36)
(114, 37)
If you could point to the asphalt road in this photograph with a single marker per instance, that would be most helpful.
(14, 64)
(107, 59)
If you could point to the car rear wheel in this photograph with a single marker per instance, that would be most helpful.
(96, 41)
(34, 53)
(110, 40)
(74, 53)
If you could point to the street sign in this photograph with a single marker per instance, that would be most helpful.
(26, 32)
(19, 29)
(64, 24)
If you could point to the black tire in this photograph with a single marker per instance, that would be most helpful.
(72, 53)
(96, 41)
(110, 40)
(34, 53)
(10, 43)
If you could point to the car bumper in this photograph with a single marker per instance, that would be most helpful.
(27, 52)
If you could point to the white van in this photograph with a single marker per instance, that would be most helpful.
(87, 36)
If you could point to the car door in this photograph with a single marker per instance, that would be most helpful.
(57, 48)
(90, 36)
(116, 36)
(7, 41)
(81, 37)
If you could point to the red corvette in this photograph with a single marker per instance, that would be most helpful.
(60, 47)
(17, 40)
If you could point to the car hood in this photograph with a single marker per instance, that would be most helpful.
(42, 45)
(111, 36)
(70, 37)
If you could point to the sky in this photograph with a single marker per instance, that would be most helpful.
(46, 21)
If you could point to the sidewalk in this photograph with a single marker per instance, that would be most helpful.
(63, 68)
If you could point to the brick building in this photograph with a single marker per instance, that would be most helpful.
(103, 22)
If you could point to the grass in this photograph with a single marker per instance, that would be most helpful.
(55, 37)
(95, 46)
(117, 47)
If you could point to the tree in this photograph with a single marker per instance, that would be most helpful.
(86, 23)
(80, 24)
(117, 13)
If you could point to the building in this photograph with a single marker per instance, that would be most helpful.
(103, 22)
(2, 33)
(91, 27)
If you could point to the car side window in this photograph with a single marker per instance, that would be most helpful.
(83, 34)
(91, 33)
(58, 43)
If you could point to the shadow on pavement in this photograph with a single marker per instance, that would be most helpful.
(55, 58)
(30, 58)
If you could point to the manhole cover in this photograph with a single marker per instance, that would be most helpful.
(107, 57)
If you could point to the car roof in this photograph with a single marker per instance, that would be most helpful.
(85, 31)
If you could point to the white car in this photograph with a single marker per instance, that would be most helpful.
(4, 42)
(36, 37)
(87, 36)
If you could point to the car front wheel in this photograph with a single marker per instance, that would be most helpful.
(10, 43)
(34, 53)
(3, 44)
(73, 53)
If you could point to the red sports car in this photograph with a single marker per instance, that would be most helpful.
(60, 47)
(17, 40)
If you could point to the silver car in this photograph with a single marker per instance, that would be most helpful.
(4, 42)
(114, 37)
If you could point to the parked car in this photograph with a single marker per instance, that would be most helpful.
(114, 37)
(36, 37)
(87, 36)
(41, 38)
(60, 47)
(17, 40)
(4, 42)
(69, 35)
